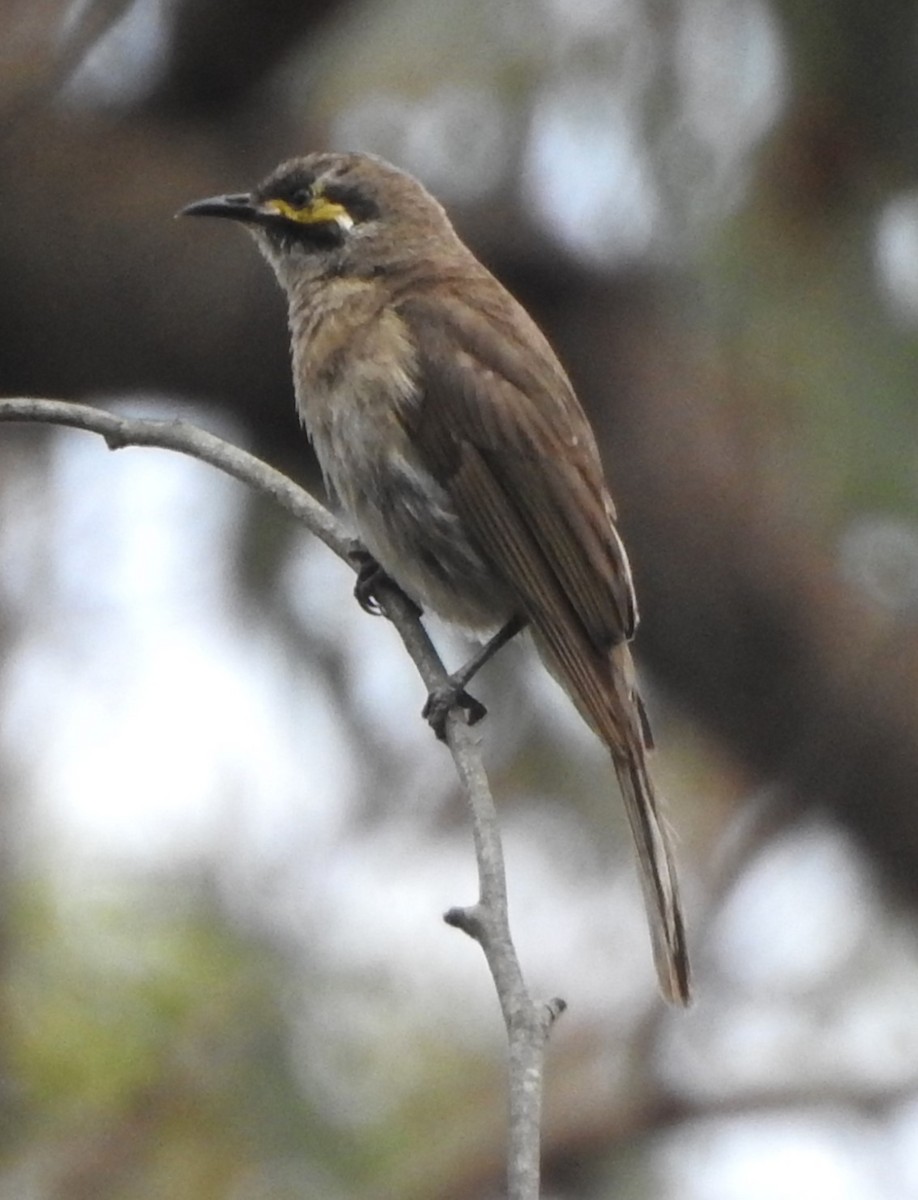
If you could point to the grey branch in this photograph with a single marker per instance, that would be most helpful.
(528, 1021)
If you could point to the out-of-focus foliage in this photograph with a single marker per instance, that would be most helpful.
(227, 838)
(149, 1041)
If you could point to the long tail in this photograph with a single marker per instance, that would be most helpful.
(604, 692)
(657, 871)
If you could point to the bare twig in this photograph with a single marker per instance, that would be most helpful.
(528, 1021)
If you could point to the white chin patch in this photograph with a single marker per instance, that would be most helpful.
(345, 222)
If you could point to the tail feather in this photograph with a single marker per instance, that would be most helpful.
(602, 687)
(658, 876)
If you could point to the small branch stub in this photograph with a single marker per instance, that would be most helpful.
(466, 919)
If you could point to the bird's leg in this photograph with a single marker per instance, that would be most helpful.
(452, 693)
(370, 576)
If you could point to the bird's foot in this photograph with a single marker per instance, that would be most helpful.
(370, 577)
(443, 699)
(452, 693)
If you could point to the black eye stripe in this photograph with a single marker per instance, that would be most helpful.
(300, 188)
(359, 205)
(296, 189)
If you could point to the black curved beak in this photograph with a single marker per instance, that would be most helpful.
(237, 207)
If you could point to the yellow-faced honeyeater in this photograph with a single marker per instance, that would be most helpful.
(451, 436)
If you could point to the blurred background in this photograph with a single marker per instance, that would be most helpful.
(226, 837)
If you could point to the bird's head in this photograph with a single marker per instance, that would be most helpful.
(335, 214)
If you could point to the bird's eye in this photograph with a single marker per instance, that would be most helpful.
(300, 198)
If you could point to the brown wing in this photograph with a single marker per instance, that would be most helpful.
(500, 427)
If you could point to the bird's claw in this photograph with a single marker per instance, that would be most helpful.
(443, 699)
(370, 577)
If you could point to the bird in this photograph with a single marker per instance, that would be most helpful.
(451, 436)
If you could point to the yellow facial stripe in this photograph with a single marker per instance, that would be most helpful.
(316, 212)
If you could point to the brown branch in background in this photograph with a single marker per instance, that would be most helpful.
(747, 618)
(253, 42)
(528, 1021)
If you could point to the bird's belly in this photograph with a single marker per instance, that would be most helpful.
(408, 522)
